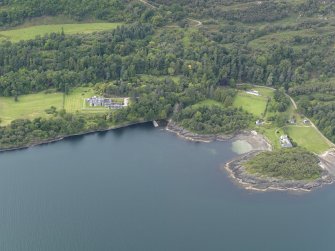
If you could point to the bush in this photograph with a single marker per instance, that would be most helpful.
(295, 163)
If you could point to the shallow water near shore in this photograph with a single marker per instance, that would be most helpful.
(141, 188)
(241, 146)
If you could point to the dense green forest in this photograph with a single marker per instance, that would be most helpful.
(213, 119)
(14, 12)
(166, 62)
(25, 132)
(295, 164)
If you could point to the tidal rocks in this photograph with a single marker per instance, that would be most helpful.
(264, 183)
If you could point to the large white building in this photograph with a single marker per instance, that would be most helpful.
(104, 102)
(285, 142)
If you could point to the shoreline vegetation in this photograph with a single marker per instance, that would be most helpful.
(235, 168)
(253, 181)
(59, 138)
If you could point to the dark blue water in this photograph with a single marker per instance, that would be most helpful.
(144, 189)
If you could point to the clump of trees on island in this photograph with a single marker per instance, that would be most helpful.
(296, 164)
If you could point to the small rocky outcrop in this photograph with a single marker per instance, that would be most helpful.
(263, 183)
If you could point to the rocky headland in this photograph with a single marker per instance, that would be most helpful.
(259, 144)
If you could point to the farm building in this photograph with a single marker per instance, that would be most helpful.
(285, 142)
(292, 121)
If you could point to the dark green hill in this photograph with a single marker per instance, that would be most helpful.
(172, 54)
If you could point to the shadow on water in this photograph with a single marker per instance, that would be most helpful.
(120, 131)
(76, 139)
(102, 134)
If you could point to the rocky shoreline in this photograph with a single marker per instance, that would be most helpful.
(235, 167)
(256, 140)
(183, 133)
(262, 183)
(259, 144)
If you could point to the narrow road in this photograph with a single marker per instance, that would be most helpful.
(293, 102)
(199, 23)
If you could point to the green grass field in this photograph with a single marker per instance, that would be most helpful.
(34, 105)
(308, 138)
(74, 101)
(251, 103)
(28, 106)
(31, 32)
(272, 134)
(305, 136)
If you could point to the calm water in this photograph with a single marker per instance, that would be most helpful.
(144, 189)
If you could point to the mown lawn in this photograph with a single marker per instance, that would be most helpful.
(31, 32)
(28, 106)
(74, 100)
(308, 138)
(254, 104)
(34, 105)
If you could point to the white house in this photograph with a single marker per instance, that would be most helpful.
(285, 142)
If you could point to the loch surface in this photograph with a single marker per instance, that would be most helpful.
(144, 189)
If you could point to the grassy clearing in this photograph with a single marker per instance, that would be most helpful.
(308, 138)
(27, 33)
(34, 105)
(251, 103)
(305, 136)
(272, 134)
(74, 101)
(28, 106)
(286, 36)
